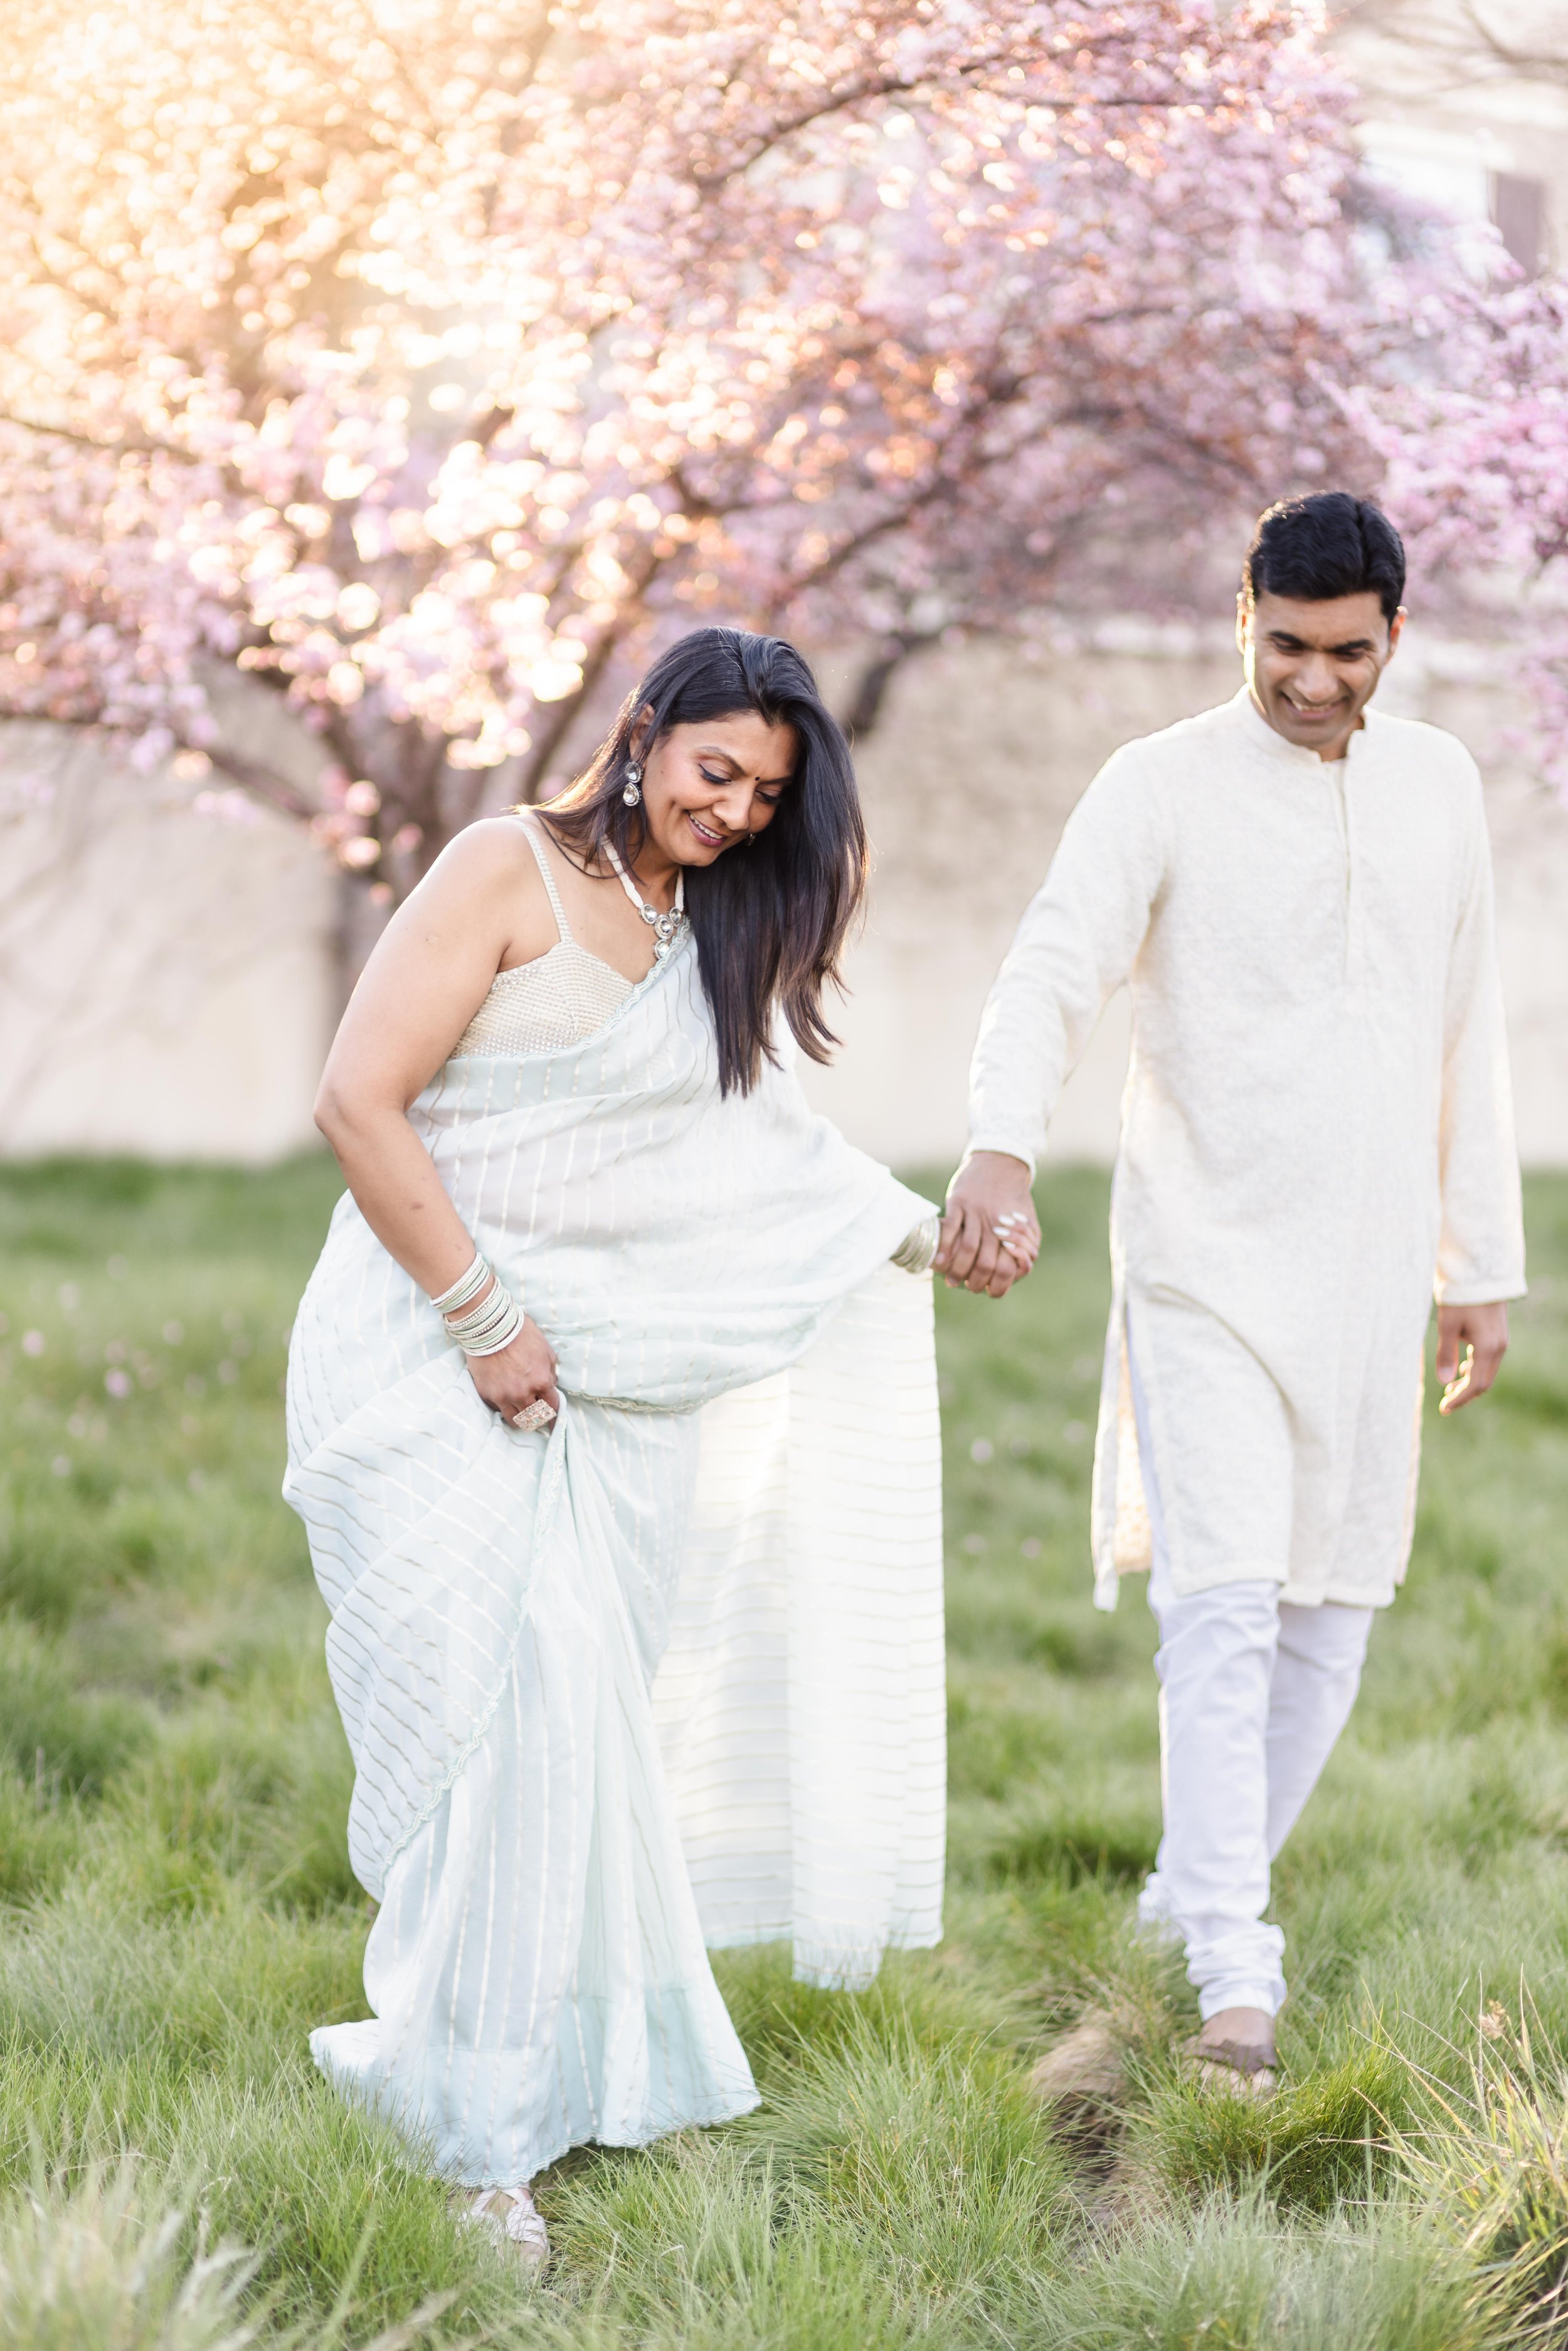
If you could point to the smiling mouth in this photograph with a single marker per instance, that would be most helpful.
(704, 832)
(1310, 709)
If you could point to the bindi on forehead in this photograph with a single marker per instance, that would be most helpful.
(749, 745)
(729, 760)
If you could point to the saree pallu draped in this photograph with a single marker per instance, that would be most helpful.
(743, 1483)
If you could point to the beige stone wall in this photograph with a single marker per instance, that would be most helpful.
(968, 783)
(167, 979)
(166, 976)
(1442, 114)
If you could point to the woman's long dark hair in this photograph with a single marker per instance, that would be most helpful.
(769, 919)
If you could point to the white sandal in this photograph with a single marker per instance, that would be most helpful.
(512, 2218)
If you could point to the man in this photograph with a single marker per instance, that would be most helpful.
(1317, 1130)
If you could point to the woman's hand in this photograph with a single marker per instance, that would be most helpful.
(518, 1375)
(990, 1235)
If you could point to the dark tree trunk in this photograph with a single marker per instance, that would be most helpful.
(866, 703)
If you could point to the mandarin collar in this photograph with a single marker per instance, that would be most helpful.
(1262, 736)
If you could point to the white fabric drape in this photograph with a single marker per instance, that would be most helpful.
(713, 1275)
(800, 1704)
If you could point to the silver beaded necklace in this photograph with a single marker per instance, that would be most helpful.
(664, 925)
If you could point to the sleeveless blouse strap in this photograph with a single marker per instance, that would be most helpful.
(531, 833)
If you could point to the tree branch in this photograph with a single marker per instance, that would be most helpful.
(902, 86)
(110, 448)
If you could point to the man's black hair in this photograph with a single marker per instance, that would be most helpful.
(1328, 545)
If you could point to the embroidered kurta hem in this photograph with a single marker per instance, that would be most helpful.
(748, 1446)
(1317, 1128)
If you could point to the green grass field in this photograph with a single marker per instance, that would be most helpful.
(177, 1908)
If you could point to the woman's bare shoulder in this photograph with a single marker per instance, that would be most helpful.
(489, 863)
(494, 848)
(485, 892)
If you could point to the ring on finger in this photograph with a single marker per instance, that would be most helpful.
(537, 1414)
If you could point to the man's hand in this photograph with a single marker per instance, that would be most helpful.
(1471, 1344)
(990, 1235)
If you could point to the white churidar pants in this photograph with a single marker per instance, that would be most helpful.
(1254, 1692)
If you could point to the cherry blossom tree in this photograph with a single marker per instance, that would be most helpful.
(1471, 432)
(1475, 463)
(424, 359)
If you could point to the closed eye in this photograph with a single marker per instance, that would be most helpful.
(1355, 650)
(770, 794)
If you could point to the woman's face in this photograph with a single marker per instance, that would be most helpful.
(706, 785)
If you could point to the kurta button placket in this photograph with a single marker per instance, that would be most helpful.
(1343, 785)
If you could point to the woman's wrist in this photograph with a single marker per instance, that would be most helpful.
(468, 1289)
(479, 1311)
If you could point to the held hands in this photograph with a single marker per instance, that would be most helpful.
(990, 1235)
(519, 1375)
(1471, 1343)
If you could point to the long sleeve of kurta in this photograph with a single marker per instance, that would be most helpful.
(1480, 1248)
(1075, 945)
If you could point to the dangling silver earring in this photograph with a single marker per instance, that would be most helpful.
(630, 795)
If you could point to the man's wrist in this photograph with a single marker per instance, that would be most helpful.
(1020, 1159)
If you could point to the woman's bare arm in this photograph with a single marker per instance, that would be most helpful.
(482, 904)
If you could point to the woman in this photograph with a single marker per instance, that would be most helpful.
(605, 1361)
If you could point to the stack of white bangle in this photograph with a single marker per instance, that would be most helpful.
(484, 1329)
(918, 1250)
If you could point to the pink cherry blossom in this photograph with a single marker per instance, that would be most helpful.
(428, 362)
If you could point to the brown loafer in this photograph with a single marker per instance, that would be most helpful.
(1235, 2069)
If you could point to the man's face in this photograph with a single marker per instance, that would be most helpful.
(1313, 668)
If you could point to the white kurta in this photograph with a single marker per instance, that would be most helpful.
(1317, 1128)
(746, 1470)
